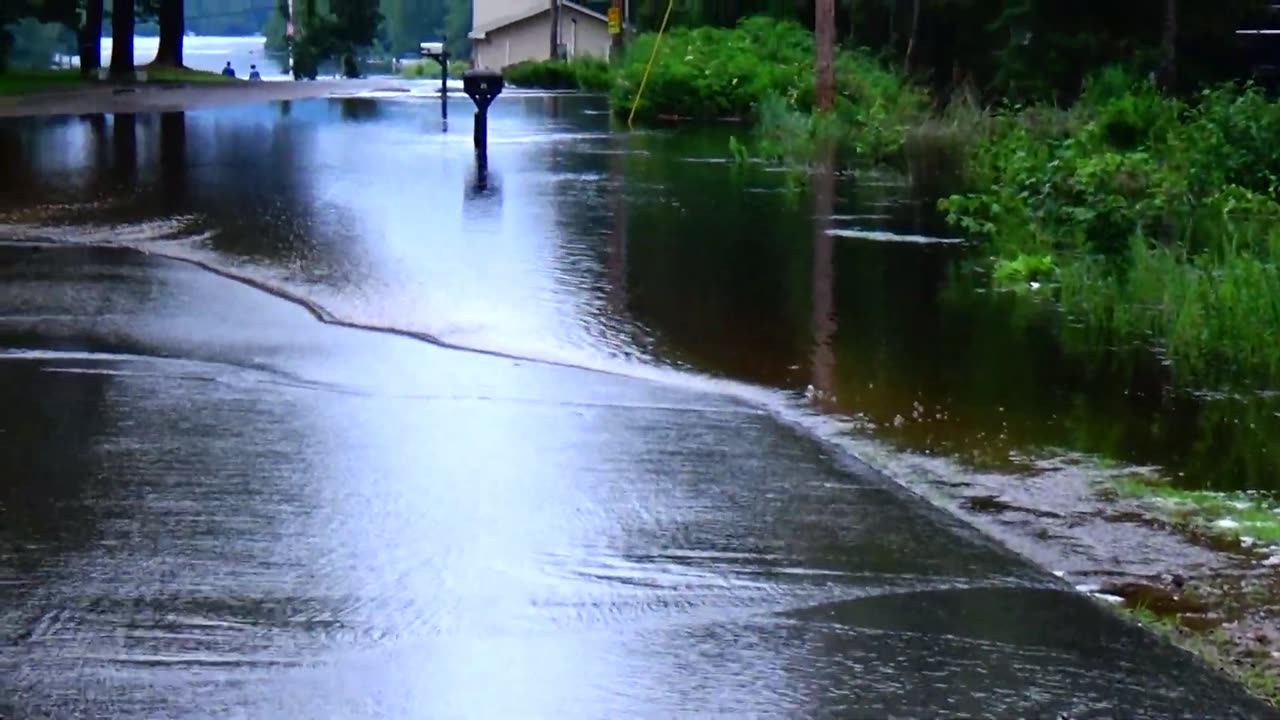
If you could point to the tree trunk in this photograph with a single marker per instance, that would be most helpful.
(91, 38)
(824, 24)
(1169, 71)
(731, 12)
(173, 26)
(911, 40)
(122, 22)
(893, 26)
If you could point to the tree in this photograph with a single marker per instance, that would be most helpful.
(172, 30)
(89, 35)
(350, 24)
(81, 17)
(1169, 46)
(123, 19)
(911, 39)
(457, 23)
(825, 42)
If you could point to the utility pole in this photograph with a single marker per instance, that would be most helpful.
(824, 25)
(555, 29)
(616, 28)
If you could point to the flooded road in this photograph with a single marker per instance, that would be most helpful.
(217, 506)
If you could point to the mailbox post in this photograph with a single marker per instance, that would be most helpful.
(482, 86)
(436, 51)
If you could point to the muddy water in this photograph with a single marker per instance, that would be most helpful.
(633, 252)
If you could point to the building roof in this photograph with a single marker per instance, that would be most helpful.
(480, 32)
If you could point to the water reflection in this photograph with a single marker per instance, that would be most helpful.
(824, 318)
(588, 247)
(360, 109)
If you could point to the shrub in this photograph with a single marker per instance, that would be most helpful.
(708, 73)
(762, 72)
(541, 74)
(1161, 216)
(583, 73)
(430, 69)
(593, 74)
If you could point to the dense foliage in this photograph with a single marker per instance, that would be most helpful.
(711, 72)
(1155, 217)
(762, 71)
(1026, 49)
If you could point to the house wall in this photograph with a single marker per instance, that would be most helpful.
(530, 39)
(487, 13)
(592, 34)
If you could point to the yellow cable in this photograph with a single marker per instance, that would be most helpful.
(656, 41)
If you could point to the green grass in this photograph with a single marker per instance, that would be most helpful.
(29, 82)
(26, 82)
(164, 73)
(1255, 516)
(1215, 648)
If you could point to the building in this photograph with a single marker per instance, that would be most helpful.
(511, 31)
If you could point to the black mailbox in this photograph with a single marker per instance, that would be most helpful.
(482, 86)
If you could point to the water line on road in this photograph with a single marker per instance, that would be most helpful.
(149, 245)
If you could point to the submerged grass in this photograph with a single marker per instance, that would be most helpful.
(1241, 516)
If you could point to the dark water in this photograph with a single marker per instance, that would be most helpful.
(216, 506)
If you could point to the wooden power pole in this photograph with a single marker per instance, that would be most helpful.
(555, 29)
(824, 26)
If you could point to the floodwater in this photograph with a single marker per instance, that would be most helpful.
(211, 53)
(216, 505)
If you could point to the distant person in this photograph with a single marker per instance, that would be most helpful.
(254, 75)
(228, 71)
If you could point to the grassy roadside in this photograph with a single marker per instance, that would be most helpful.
(1216, 648)
(1229, 620)
(26, 82)
(167, 74)
(30, 82)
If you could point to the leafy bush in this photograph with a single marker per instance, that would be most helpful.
(583, 73)
(709, 72)
(1024, 269)
(593, 74)
(541, 74)
(430, 69)
(762, 71)
(1161, 215)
